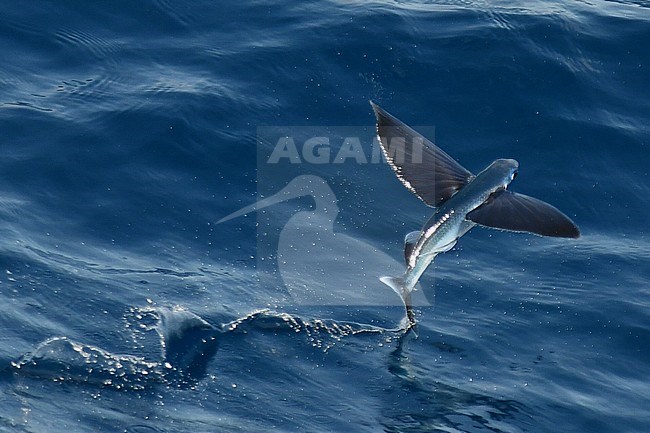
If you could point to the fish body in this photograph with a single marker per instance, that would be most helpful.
(461, 200)
(450, 222)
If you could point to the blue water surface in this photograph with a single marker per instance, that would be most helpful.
(129, 129)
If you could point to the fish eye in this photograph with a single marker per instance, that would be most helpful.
(514, 174)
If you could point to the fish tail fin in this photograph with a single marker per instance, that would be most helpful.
(399, 286)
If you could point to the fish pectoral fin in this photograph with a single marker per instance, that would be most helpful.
(423, 168)
(507, 210)
(409, 243)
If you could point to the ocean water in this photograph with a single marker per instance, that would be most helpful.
(129, 130)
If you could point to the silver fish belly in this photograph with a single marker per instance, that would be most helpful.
(445, 227)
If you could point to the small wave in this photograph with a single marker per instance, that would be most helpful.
(320, 333)
(98, 47)
(187, 341)
(173, 10)
(632, 3)
(61, 359)
(22, 104)
(78, 264)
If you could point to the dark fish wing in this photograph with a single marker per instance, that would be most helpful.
(420, 165)
(520, 213)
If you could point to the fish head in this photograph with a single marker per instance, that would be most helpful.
(500, 173)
